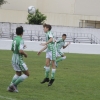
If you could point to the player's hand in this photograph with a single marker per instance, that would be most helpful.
(25, 55)
(39, 53)
(43, 44)
(68, 43)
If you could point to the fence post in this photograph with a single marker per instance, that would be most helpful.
(31, 36)
(9, 29)
(74, 38)
(91, 38)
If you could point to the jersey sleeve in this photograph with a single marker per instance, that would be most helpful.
(50, 35)
(21, 45)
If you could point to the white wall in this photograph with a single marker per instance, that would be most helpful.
(87, 7)
(73, 48)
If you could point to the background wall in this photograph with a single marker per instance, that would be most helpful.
(73, 48)
(59, 12)
(9, 28)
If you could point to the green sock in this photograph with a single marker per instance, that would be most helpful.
(53, 73)
(47, 70)
(20, 79)
(60, 59)
(14, 78)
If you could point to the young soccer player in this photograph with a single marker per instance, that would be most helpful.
(17, 61)
(50, 55)
(61, 44)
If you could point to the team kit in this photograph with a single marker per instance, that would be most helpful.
(53, 57)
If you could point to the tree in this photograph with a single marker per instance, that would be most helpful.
(37, 18)
(2, 2)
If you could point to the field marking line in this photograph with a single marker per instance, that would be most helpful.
(3, 97)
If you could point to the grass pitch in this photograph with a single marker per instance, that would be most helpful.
(77, 78)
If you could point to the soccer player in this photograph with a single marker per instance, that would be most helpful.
(17, 61)
(50, 55)
(61, 44)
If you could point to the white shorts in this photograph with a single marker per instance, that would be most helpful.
(50, 55)
(17, 67)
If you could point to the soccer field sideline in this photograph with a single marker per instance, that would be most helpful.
(3, 97)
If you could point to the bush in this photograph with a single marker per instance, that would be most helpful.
(2, 2)
(37, 18)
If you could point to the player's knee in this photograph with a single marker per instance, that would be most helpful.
(47, 64)
(26, 73)
(18, 73)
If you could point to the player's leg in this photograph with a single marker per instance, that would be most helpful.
(22, 68)
(22, 78)
(25, 74)
(53, 59)
(47, 71)
(62, 57)
(16, 76)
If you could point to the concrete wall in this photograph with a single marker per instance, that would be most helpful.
(73, 48)
(59, 12)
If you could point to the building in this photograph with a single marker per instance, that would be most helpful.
(76, 13)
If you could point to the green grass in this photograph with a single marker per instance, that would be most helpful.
(77, 78)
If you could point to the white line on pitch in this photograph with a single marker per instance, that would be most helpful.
(3, 97)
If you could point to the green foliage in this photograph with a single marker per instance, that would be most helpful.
(2, 2)
(37, 18)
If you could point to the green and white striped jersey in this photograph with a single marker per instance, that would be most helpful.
(50, 46)
(17, 45)
(59, 44)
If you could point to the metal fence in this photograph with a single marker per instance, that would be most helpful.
(35, 33)
(40, 36)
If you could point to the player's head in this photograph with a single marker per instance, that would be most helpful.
(47, 28)
(64, 36)
(19, 30)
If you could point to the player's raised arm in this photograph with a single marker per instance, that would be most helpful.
(49, 41)
(66, 45)
(42, 50)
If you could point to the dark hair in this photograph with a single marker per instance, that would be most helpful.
(19, 30)
(47, 26)
(64, 35)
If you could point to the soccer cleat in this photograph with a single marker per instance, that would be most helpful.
(45, 80)
(14, 88)
(10, 89)
(51, 82)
